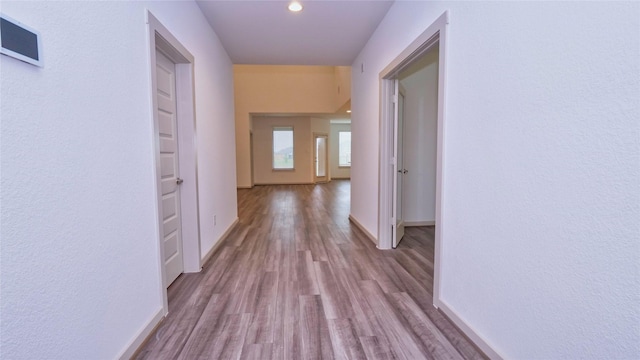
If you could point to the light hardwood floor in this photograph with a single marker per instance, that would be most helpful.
(296, 280)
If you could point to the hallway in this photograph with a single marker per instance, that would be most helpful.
(296, 280)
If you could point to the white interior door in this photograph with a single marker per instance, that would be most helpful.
(170, 177)
(398, 168)
(320, 156)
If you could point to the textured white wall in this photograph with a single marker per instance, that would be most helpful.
(79, 235)
(540, 249)
(420, 82)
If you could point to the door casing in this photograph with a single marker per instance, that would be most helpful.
(161, 39)
(324, 178)
(434, 35)
(399, 170)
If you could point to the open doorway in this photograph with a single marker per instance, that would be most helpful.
(417, 144)
(399, 168)
(321, 158)
(432, 39)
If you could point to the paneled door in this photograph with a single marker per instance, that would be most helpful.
(170, 177)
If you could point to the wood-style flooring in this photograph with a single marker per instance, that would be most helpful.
(296, 280)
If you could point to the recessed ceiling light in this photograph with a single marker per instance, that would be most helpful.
(295, 6)
(348, 111)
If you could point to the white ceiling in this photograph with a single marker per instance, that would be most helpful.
(325, 32)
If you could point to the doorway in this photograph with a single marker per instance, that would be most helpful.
(175, 153)
(320, 158)
(434, 35)
(399, 167)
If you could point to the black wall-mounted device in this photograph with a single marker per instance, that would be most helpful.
(20, 41)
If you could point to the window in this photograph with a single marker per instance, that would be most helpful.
(344, 148)
(283, 148)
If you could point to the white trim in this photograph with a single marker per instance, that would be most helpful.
(285, 183)
(151, 326)
(316, 135)
(251, 159)
(442, 22)
(219, 242)
(160, 38)
(435, 34)
(419, 223)
(385, 181)
(40, 61)
(363, 229)
(142, 336)
(188, 160)
(396, 222)
(478, 340)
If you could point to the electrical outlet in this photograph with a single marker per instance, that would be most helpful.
(214, 220)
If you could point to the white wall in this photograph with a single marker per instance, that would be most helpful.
(271, 89)
(79, 247)
(279, 89)
(337, 172)
(420, 82)
(304, 128)
(319, 126)
(541, 204)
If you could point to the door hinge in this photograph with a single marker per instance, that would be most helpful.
(393, 221)
(394, 98)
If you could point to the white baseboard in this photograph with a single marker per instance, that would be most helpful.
(215, 247)
(293, 183)
(478, 340)
(365, 231)
(420, 223)
(142, 336)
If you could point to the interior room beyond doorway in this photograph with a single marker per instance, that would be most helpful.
(301, 153)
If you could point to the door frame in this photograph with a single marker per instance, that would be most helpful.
(160, 38)
(435, 34)
(251, 156)
(398, 133)
(326, 157)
